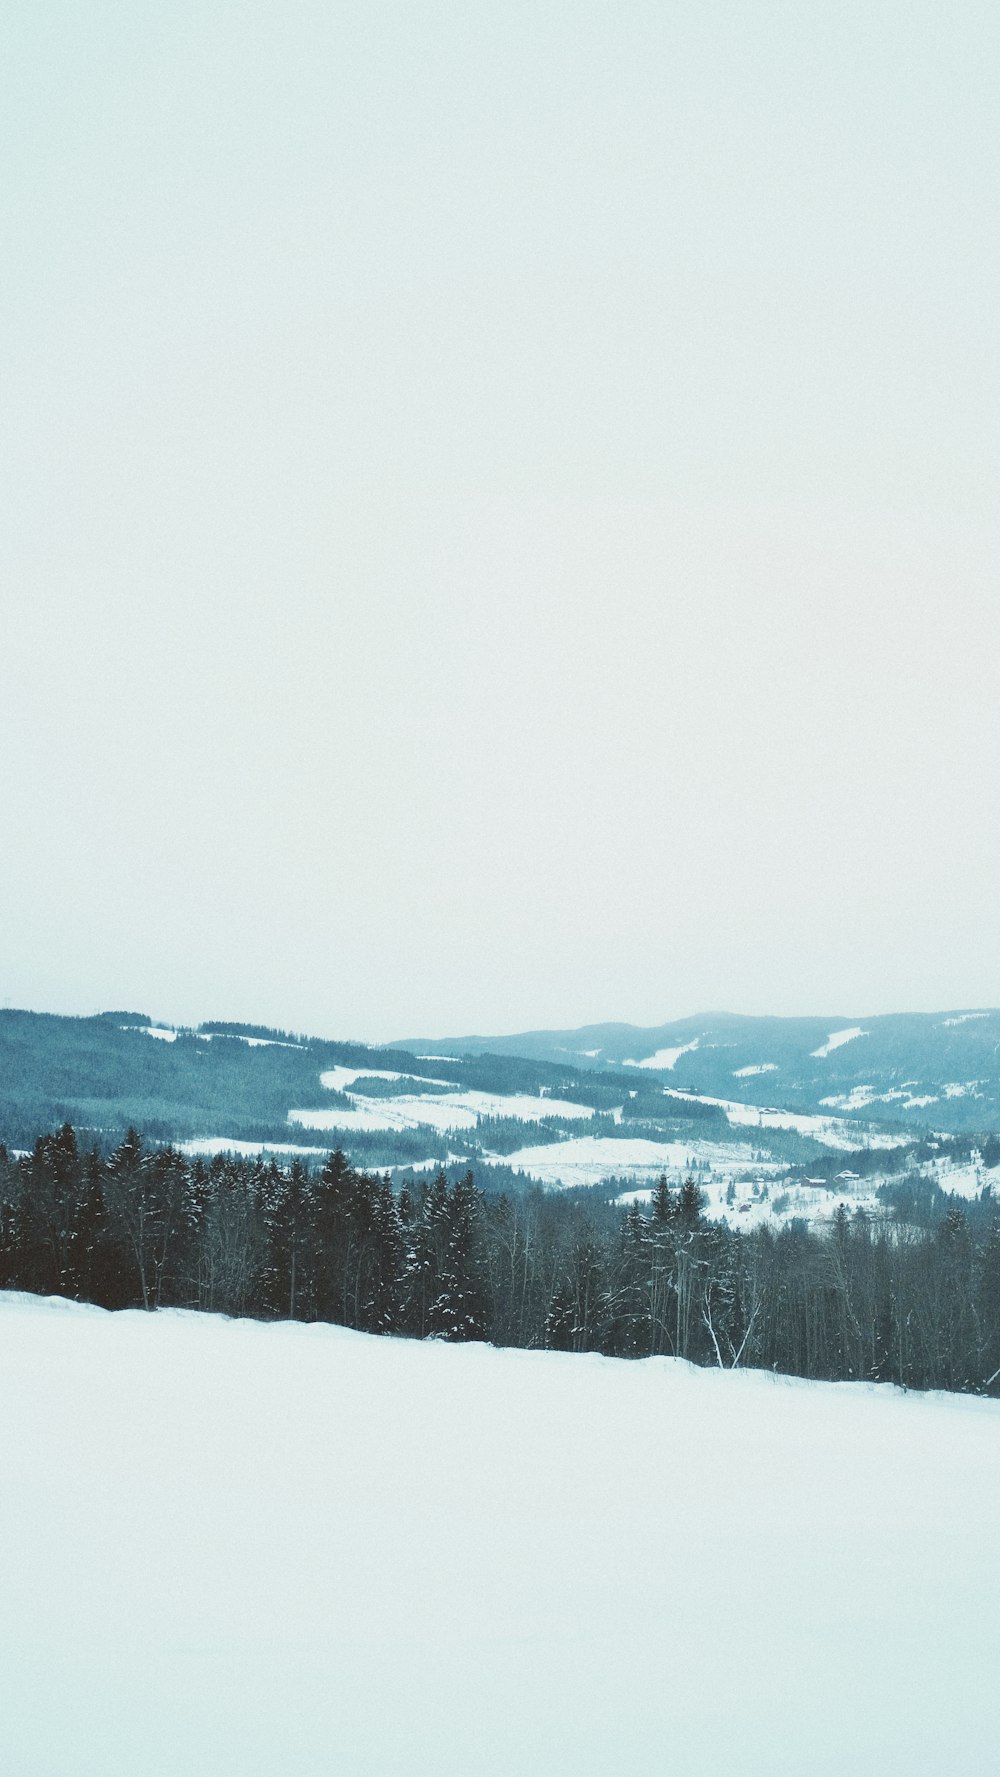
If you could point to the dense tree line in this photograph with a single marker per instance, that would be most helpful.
(892, 1299)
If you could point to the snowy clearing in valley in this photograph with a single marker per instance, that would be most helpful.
(962, 1178)
(587, 1159)
(239, 1549)
(758, 1067)
(337, 1079)
(815, 1203)
(859, 1098)
(833, 1132)
(205, 1147)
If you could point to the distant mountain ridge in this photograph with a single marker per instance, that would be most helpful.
(928, 1067)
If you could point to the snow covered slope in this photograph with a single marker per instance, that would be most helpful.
(234, 1549)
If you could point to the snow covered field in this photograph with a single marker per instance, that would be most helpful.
(442, 1111)
(587, 1159)
(234, 1549)
(833, 1132)
(206, 1146)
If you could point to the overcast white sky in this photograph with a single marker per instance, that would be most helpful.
(500, 515)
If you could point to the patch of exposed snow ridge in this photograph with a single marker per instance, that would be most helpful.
(859, 1098)
(664, 1059)
(836, 1040)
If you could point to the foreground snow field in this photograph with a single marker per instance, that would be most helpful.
(233, 1549)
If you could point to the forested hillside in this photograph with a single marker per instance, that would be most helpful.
(106, 1072)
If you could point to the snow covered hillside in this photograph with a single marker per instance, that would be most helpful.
(234, 1549)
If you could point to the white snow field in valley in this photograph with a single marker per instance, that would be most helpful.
(234, 1548)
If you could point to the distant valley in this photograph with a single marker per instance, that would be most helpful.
(775, 1118)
